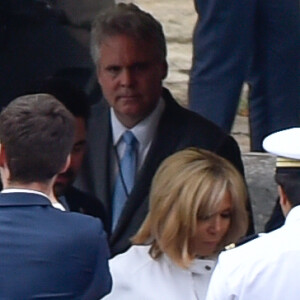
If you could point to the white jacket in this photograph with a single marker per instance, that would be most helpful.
(263, 269)
(136, 276)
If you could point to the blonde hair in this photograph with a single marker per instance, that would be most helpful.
(189, 184)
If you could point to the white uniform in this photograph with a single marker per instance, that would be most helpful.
(136, 276)
(263, 269)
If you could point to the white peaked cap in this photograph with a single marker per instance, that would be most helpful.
(284, 143)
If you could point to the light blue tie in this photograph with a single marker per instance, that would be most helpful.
(125, 179)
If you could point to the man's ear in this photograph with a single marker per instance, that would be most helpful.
(283, 200)
(66, 164)
(2, 156)
(5, 173)
(98, 70)
(165, 70)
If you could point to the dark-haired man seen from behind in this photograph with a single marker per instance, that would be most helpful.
(45, 253)
(76, 101)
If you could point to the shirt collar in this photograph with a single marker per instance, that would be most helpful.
(143, 131)
(58, 205)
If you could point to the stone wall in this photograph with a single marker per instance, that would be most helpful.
(259, 172)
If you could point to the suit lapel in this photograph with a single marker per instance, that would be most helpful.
(100, 149)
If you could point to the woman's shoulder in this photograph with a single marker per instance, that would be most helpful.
(132, 260)
(131, 273)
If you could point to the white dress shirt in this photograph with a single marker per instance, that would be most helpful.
(144, 132)
(267, 268)
(137, 276)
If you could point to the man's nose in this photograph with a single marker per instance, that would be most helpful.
(126, 78)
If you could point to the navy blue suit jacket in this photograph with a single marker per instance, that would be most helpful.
(50, 254)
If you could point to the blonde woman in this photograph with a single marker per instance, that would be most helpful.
(197, 207)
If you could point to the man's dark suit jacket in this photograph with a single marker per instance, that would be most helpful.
(50, 254)
(178, 129)
(84, 203)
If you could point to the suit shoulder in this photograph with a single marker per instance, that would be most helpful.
(203, 123)
(83, 223)
(201, 131)
(98, 108)
(192, 120)
(87, 231)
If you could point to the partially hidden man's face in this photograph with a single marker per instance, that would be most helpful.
(130, 74)
(64, 180)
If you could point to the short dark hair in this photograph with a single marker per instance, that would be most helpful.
(37, 133)
(290, 183)
(73, 98)
(130, 20)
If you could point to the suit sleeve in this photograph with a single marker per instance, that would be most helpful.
(102, 282)
(230, 150)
